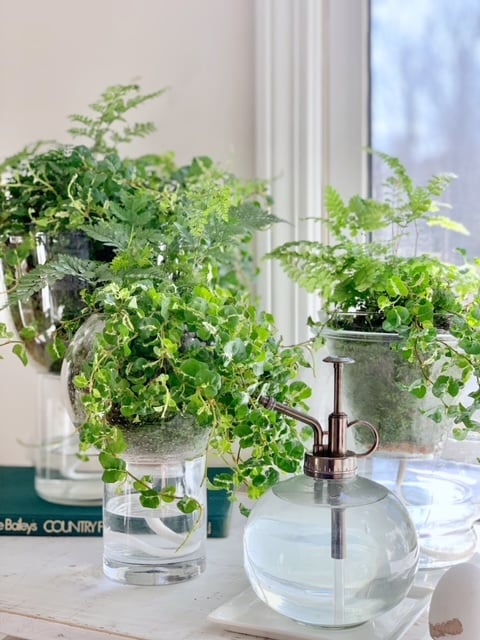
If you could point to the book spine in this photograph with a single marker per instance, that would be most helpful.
(56, 527)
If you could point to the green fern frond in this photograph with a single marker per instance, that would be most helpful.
(449, 224)
(241, 223)
(334, 202)
(368, 215)
(123, 237)
(251, 216)
(111, 234)
(107, 129)
(337, 211)
(47, 274)
(138, 208)
(438, 183)
(114, 99)
(300, 259)
(137, 131)
(398, 169)
(86, 120)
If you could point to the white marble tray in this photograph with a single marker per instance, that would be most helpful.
(245, 613)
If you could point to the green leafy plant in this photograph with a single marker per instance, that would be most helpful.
(170, 276)
(52, 187)
(367, 282)
(50, 193)
(102, 130)
(194, 351)
(174, 342)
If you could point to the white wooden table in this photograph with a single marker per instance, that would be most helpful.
(55, 588)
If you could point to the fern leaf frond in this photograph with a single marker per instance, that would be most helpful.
(47, 274)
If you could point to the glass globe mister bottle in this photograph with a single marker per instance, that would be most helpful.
(329, 547)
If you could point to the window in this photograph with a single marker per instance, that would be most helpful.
(311, 70)
(425, 95)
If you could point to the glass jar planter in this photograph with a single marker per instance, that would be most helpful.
(46, 309)
(145, 546)
(442, 498)
(376, 389)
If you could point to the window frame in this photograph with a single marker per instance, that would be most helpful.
(312, 125)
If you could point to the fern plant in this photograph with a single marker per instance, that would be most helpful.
(366, 281)
(102, 129)
(79, 198)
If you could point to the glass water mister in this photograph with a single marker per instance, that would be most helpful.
(329, 547)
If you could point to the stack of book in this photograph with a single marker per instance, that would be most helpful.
(24, 513)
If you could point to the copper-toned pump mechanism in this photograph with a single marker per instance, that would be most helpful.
(330, 458)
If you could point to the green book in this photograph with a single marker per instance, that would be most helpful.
(219, 507)
(24, 513)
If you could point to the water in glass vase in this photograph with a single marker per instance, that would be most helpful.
(146, 546)
(61, 476)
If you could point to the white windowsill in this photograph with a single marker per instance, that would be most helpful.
(53, 588)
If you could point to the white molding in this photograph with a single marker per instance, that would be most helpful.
(347, 103)
(289, 143)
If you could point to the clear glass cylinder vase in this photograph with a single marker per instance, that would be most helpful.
(146, 546)
(61, 475)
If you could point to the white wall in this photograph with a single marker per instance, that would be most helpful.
(56, 56)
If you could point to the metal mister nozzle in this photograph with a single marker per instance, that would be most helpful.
(330, 457)
(318, 433)
(337, 420)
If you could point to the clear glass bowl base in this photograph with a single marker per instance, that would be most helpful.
(153, 575)
(442, 550)
(81, 493)
(443, 499)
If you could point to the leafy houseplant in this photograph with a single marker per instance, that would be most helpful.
(49, 191)
(166, 351)
(138, 218)
(176, 368)
(170, 278)
(174, 341)
(426, 309)
(175, 360)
